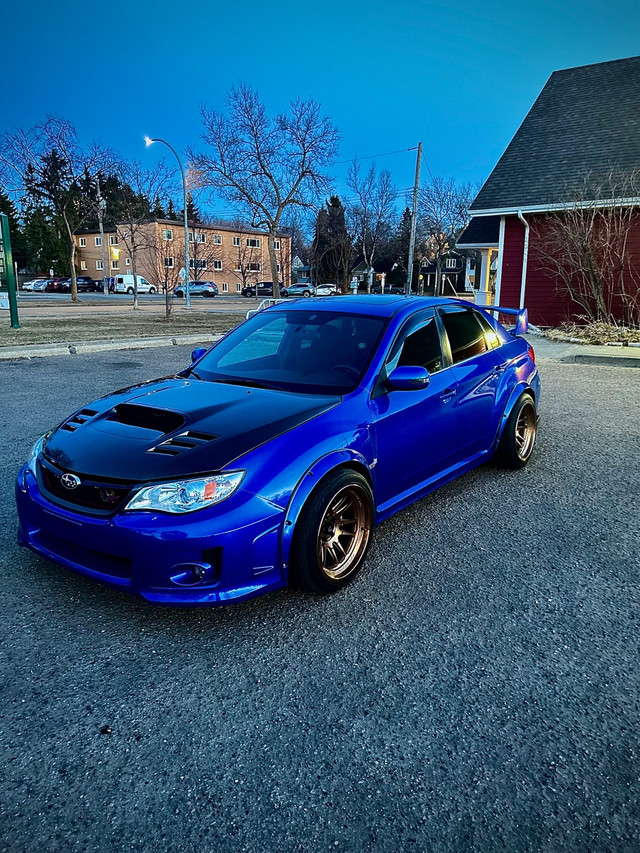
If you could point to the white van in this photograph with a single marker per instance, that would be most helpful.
(124, 284)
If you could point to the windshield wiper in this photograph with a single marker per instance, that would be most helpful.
(249, 383)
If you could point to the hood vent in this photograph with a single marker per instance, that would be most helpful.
(77, 420)
(144, 417)
(185, 441)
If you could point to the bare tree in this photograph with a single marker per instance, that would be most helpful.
(266, 165)
(48, 163)
(164, 266)
(444, 206)
(585, 247)
(371, 211)
(142, 187)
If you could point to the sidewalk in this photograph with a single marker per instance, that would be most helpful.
(617, 356)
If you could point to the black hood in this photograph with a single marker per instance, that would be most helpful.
(175, 427)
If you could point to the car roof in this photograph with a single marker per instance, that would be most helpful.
(386, 305)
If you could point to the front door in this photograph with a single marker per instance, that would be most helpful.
(414, 430)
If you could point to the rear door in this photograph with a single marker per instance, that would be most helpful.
(415, 430)
(478, 366)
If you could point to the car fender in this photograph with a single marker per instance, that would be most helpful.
(516, 392)
(311, 477)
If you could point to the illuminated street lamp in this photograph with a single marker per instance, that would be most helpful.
(148, 142)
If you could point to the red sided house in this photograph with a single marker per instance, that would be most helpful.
(578, 149)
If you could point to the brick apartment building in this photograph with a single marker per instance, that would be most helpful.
(232, 257)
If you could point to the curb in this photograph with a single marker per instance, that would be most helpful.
(565, 339)
(80, 347)
(615, 360)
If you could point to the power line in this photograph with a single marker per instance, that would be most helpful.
(426, 163)
(373, 156)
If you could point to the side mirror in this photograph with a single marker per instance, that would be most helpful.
(408, 378)
(197, 354)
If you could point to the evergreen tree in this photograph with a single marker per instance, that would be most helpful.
(18, 241)
(171, 211)
(332, 246)
(158, 210)
(193, 213)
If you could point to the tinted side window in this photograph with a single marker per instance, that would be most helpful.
(422, 348)
(466, 338)
(490, 334)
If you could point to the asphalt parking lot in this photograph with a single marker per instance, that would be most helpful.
(475, 689)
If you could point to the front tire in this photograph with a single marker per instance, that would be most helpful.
(333, 532)
(519, 436)
(152, 290)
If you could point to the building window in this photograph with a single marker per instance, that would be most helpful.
(197, 237)
(238, 287)
(276, 244)
(98, 241)
(217, 240)
(167, 234)
(237, 241)
(99, 265)
(277, 267)
(115, 265)
(237, 267)
(451, 263)
(168, 262)
(127, 263)
(83, 242)
(113, 240)
(217, 265)
(255, 267)
(253, 242)
(83, 265)
(197, 264)
(225, 287)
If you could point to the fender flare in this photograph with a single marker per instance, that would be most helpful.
(516, 392)
(311, 477)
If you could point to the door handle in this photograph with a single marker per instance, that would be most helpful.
(448, 394)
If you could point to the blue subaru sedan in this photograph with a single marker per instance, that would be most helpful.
(274, 455)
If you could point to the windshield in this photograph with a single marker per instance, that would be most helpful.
(313, 352)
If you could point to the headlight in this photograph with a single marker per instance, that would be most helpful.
(35, 452)
(187, 495)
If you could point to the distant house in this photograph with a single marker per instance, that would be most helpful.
(583, 128)
(452, 272)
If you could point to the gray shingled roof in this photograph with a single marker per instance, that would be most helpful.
(584, 124)
(481, 231)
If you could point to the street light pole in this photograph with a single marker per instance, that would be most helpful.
(150, 141)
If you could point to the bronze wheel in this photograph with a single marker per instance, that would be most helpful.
(344, 532)
(519, 436)
(333, 531)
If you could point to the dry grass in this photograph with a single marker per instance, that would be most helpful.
(595, 333)
(107, 327)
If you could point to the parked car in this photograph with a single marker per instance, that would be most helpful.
(124, 284)
(58, 285)
(298, 290)
(197, 288)
(328, 289)
(41, 286)
(388, 288)
(30, 285)
(85, 284)
(262, 288)
(275, 453)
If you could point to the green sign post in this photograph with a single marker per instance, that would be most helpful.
(7, 275)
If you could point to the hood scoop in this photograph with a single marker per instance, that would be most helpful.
(185, 441)
(146, 417)
(78, 419)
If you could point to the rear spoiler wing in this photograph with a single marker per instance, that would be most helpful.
(521, 315)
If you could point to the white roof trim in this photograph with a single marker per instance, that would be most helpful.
(557, 206)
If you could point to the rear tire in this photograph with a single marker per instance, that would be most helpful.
(333, 532)
(129, 290)
(519, 436)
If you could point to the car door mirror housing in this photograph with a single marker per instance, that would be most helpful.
(197, 354)
(408, 378)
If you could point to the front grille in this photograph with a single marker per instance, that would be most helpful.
(100, 496)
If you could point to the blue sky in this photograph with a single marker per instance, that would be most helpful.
(459, 77)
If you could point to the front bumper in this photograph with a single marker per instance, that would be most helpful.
(146, 552)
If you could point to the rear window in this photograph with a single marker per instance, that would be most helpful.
(466, 337)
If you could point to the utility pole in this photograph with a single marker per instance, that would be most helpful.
(101, 206)
(414, 217)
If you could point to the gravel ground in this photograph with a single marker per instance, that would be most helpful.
(475, 689)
